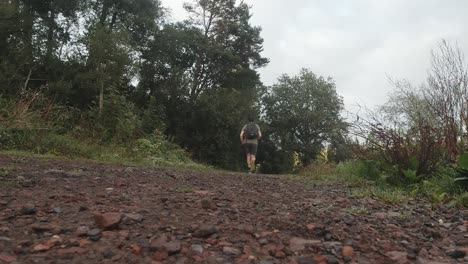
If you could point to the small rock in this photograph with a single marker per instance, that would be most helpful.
(120, 184)
(280, 254)
(333, 245)
(136, 250)
(205, 231)
(108, 221)
(42, 227)
(348, 251)
(108, 253)
(311, 227)
(348, 220)
(82, 231)
(263, 241)
(456, 254)
(57, 210)
(42, 219)
(231, 251)
(84, 242)
(28, 209)
(162, 243)
(393, 214)
(397, 256)
(160, 255)
(5, 239)
(380, 215)
(297, 244)
(197, 249)
(202, 192)
(173, 247)
(211, 241)
(132, 218)
(56, 240)
(94, 234)
(320, 258)
(7, 258)
(411, 255)
(40, 248)
(82, 208)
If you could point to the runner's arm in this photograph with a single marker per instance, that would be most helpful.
(242, 135)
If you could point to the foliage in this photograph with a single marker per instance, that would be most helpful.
(367, 180)
(119, 71)
(462, 171)
(420, 129)
(303, 112)
(156, 150)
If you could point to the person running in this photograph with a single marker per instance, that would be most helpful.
(249, 137)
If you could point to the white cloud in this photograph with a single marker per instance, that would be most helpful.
(358, 43)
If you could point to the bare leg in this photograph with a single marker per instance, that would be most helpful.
(248, 161)
(252, 162)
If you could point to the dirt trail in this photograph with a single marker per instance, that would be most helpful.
(60, 211)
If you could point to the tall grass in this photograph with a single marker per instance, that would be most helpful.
(369, 180)
(34, 124)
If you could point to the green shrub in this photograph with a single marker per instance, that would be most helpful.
(461, 200)
(118, 122)
(318, 171)
(13, 138)
(369, 169)
(62, 145)
(157, 150)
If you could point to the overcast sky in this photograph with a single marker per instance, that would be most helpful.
(356, 42)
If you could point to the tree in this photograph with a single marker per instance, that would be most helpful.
(304, 113)
(109, 60)
(204, 73)
(31, 33)
(230, 47)
(447, 94)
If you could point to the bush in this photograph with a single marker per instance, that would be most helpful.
(369, 169)
(13, 138)
(118, 123)
(318, 170)
(350, 172)
(62, 145)
(441, 187)
(157, 150)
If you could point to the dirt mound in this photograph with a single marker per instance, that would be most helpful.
(60, 211)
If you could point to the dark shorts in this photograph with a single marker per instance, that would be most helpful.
(250, 148)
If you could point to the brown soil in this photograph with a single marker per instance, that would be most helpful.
(62, 211)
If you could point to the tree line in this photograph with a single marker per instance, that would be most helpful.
(113, 71)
